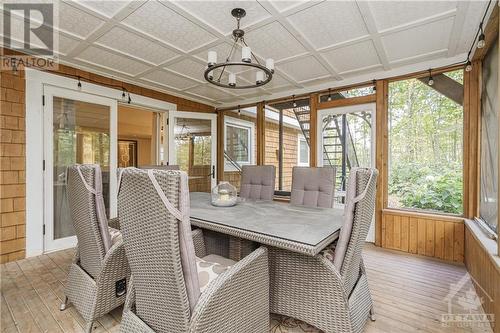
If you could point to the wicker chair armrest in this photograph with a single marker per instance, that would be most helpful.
(199, 243)
(114, 223)
(114, 264)
(337, 282)
(130, 299)
(238, 300)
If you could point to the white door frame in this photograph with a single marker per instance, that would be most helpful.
(372, 107)
(51, 244)
(193, 115)
(35, 82)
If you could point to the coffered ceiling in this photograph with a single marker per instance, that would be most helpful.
(315, 44)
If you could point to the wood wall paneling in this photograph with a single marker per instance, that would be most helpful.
(428, 235)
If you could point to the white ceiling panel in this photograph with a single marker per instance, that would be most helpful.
(418, 41)
(330, 22)
(218, 13)
(107, 8)
(169, 79)
(283, 5)
(474, 14)
(190, 68)
(210, 92)
(132, 44)
(273, 41)
(315, 44)
(395, 13)
(77, 22)
(167, 25)
(304, 69)
(99, 57)
(353, 56)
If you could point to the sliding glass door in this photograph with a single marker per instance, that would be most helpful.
(78, 128)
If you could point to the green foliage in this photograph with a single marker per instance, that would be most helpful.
(430, 187)
(425, 146)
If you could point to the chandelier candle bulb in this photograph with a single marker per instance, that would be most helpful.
(232, 79)
(270, 64)
(212, 58)
(246, 54)
(259, 77)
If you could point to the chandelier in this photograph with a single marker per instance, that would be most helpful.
(215, 71)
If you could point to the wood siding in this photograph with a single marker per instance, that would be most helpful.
(429, 235)
(484, 267)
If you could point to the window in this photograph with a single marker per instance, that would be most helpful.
(354, 92)
(425, 144)
(488, 204)
(303, 151)
(238, 143)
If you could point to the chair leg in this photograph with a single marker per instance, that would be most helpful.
(88, 327)
(65, 304)
(372, 314)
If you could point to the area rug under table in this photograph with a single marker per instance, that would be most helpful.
(283, 324)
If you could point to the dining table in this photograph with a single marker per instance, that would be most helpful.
(299, 229)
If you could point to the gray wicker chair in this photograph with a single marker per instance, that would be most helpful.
(97, 277)
(313, 187)
(157, 240)
(314, 290)
(257, 182)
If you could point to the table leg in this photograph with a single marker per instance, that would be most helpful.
(240, 248)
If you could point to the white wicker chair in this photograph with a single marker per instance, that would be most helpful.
(313, 289)
(97, 277)
(155, 224)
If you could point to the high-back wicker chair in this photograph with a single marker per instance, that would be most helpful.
(257, 182)
(330, 290)
(154, 214)
(161, 167)
(98, 275)
(313, 187)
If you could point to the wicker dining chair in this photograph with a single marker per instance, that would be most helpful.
(330, 290)
(165, 294)
(313, 187)
(98, 276)
(257, 182)
(161, 167)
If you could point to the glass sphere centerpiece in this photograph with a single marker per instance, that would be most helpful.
(224, 195)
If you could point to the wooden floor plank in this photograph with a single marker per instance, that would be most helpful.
(408, 291)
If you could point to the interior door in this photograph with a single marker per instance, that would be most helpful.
(346, 139)
(79, 128)
(193, 146)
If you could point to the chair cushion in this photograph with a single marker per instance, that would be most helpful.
(313, 187)
(210, 267)
(329, 251)
(257, 182)
(116, 235)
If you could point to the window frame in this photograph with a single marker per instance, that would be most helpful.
(300, 139)
(242, 124)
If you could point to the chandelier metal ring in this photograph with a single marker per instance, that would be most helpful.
(263, 74)
(268, 73)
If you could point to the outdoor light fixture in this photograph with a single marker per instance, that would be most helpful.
(79, 84)
(468, 66)
(294, 104)
(329, 95)
(215, 70)
(431, 79)
(374, 88)
(481, 42)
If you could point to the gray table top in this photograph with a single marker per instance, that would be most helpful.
(305, 225)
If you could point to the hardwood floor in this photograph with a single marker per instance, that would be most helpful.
(409, 294)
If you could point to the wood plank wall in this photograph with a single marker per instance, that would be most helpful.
(480, 262)
(429, 235)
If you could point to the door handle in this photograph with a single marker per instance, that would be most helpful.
(213, 171)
